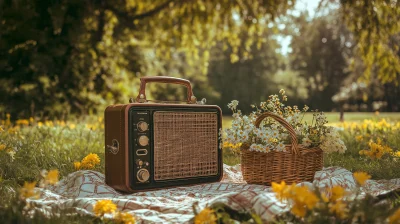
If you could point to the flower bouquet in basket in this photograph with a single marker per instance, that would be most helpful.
(276, 144)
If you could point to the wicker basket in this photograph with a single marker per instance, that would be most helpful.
(297, 164)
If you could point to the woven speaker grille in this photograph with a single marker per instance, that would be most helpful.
(185, 144)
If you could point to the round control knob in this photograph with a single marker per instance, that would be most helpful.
(143, 140)
(139, 162)
(142, 126)
(143, 175)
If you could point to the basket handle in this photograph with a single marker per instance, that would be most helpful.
(141, 98)
(285, 124)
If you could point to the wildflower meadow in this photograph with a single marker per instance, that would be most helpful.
(38, 153)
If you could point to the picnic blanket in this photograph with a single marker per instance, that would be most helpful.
(82, 189)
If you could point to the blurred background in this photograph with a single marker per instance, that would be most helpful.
(62, 58)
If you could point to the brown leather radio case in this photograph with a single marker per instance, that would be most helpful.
(157, 145)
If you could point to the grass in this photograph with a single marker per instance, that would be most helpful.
(334, 117)
(30, 149)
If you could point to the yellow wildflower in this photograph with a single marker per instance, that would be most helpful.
(124, 217)
(2, 147)
(13, 130)
(90, 161)
(282, 190)
(92, 127)
(299, 210)
(49, 123)
(324, 197)
(359, 138)
(22, 122)
(77, 165)
(206, 216)
(339, 209)
(303, 196)
(31, 120)
(28, 190)
(397, 154)
(71, 126)
(40, 124)
(337, 193)
(376, 149)
(104, 206)
(52, 177)
(230, 145)
(361, 177)
(395, 218)
(1, 129)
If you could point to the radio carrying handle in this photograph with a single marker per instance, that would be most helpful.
(141, 98)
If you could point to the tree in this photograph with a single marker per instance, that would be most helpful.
(58, 56)
(373, 25)
(320, 49)
(249, 79)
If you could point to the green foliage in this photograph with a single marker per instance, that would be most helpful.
(366, 210)
(375, 27)
(77, 56)
(245, 79)
(17, 210)
(227, 215)
(387, 167)
(41, 148)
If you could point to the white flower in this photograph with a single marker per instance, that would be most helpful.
(275, 134)
(280, 147)
(332, 142)
(11, 153)
(232, 105)
(283, 135)
(259, 148)
(293, 119)
(249, 128)
(255, 147)
(306, 141)
(275, 126)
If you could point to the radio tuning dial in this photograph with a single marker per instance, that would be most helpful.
(142, 126)
(143, 175)
(143, 140)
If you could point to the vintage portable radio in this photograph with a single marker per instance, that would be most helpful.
(157, 145)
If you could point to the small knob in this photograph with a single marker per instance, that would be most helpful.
(143, 175)
(143, 140)
(142, 126)
(139, 162)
